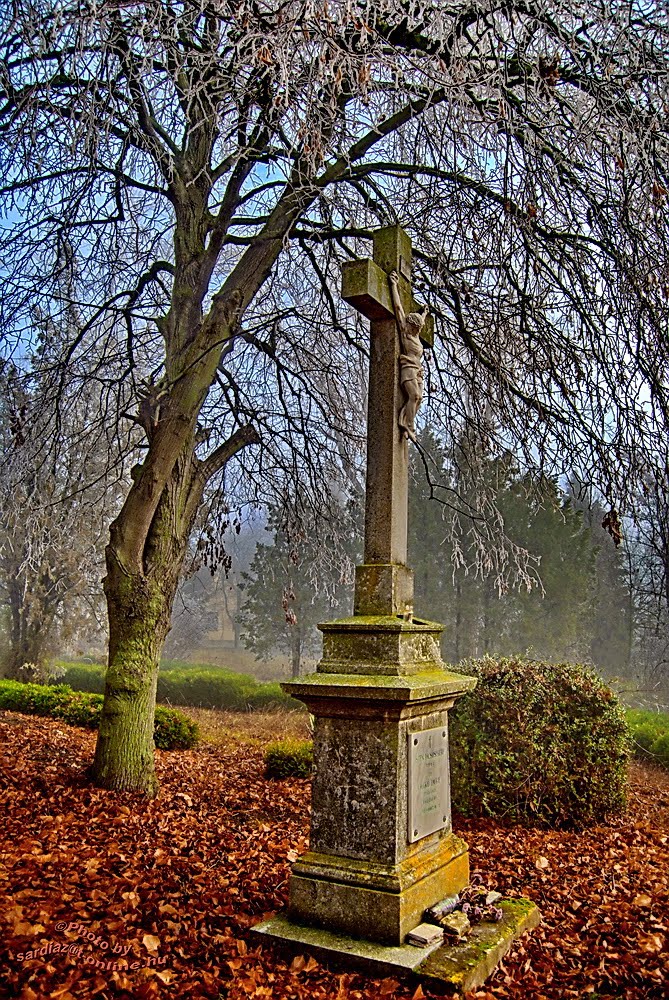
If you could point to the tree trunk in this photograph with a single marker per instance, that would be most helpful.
(139, 617)
(458, 621)
(22, 656)
(296, 649)
(139, 604)
(28, 638)
(140, 590)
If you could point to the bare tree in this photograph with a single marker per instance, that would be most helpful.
(56, 499)
(649, 574)
(211, 163)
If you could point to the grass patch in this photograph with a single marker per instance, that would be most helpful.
(223, 728)
(650, 735)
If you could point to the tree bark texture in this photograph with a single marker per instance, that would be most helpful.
(139, 603)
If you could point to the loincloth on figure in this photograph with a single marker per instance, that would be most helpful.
(410, 369)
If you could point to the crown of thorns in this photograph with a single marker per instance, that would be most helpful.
(415, 319)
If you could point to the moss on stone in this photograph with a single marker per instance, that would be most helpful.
(410, 686)
(467, 965)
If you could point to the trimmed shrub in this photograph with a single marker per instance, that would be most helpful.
(289, 759)
(219, 689)
(82, 709)
(172, 729)
(82, 676)
(643, 738)
(660, 750)
(33, 699)
(538, 743)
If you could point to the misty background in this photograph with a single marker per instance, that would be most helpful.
(256, 588)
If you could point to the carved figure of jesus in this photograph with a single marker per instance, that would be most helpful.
(411, 358)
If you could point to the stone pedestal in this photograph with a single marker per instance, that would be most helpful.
(380, 698)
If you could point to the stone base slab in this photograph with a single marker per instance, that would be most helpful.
(428, 858)
(466, 966)
(328, 946)
(463, 966)
(353, 901)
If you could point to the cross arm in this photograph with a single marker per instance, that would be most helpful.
(365, 287)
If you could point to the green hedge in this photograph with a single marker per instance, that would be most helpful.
(172, 730)
(538, 743)
(198, 688)
(219, 689)
(81, 676)
(289, 759)
(650, 735)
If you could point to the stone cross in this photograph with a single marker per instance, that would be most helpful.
(384, 584)
(382, 849)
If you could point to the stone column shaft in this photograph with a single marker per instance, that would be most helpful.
(387, 484)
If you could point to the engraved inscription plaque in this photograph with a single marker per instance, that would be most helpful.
(429, 798)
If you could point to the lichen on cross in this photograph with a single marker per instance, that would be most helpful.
(384, 583)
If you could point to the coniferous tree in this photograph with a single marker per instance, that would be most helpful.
(577, 606)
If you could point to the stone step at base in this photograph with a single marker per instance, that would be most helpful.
(463, 966)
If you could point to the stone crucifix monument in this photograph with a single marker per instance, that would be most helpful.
(382, 849)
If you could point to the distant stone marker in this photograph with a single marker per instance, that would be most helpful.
(382, 850)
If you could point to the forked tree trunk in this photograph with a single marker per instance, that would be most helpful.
(140, 594)
(149, 537)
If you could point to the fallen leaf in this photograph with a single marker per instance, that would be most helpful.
(651, 942)
(151, 942)
(542, 862)
(62, 990)
(388, 986)
(207, 881)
